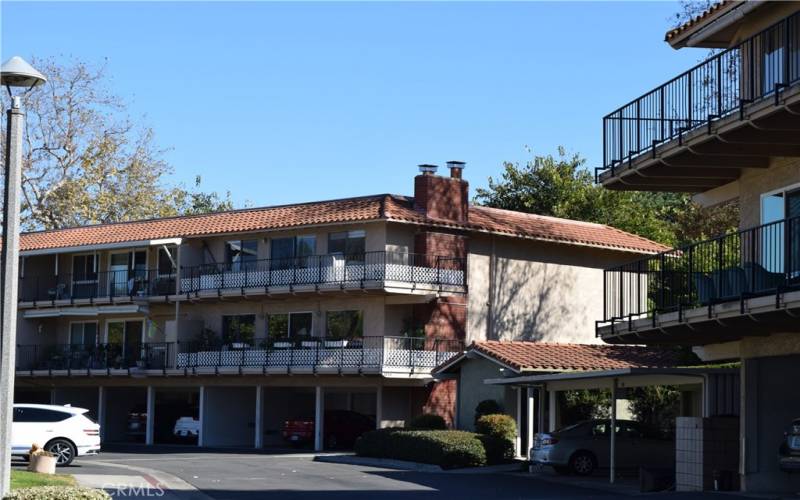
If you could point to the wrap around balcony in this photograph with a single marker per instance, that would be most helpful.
(370, 354)
(737, 275)
(314, 272)
(760, 72)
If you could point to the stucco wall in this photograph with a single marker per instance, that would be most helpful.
(472, 390)
(538, 291)
(754, 182)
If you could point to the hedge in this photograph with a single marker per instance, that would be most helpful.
(57, 493)
(427, 421)
(487, 407)
(448, 449)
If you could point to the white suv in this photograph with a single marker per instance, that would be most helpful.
(62, 430)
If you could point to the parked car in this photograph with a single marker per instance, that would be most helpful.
(341, 428)
(187, 427)
(789, 452)
(62, 430)
(137, 424)
(585, 446)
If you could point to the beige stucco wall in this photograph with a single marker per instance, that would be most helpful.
(540, 291)
(753, 183)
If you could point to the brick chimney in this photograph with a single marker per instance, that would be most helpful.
(444, 198)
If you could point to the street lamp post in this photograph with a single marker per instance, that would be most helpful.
(14, 73)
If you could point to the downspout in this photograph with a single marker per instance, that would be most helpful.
(490, 300)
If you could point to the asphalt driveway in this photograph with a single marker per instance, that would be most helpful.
(247, 475)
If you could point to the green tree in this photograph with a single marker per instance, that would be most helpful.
(561, 186)
(85, 161)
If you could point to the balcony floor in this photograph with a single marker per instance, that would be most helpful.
(722, 322)
(701, 159)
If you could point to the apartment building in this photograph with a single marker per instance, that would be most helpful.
(238, 321)
(727, 131)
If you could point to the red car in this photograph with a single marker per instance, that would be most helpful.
(341, 429)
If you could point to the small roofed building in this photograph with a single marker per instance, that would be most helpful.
(492, 360)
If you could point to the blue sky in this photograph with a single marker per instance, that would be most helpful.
(288, 102)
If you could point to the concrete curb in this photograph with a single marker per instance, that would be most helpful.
(414, 466)
(173, 486)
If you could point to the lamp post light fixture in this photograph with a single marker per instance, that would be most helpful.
(13, 73)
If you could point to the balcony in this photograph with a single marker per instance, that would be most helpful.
(328, 272)
(740, 284)
(395, 271)
(697, 131)
(375, 354)
(91, 287)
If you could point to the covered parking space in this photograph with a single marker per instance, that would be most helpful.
(700, 435)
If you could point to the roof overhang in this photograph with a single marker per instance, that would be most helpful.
(452, 365)
(714, 30)
(603, 379)
(102, 246)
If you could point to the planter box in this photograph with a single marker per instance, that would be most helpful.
(42, 464)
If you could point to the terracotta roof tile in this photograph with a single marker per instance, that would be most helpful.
(706, 14)
(523, 355)
(368, 208)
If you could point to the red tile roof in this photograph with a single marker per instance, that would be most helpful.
(522, 355)
(716, 9)
(379, 207)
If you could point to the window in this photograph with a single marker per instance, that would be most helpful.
(350, 244)
(84, 268)
(292, 325)
(344, 324)
(283, 251)
(83, 334)
(241, 255)
(238, 329)
(39, 415)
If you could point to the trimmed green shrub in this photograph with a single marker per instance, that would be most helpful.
(427, 421)
(57, 493)
(487, 407)
(497, 425)
(499, 432)
(498, 451)
(448, 449)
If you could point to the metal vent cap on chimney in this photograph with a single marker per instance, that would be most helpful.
(428, 169)
(456, 168)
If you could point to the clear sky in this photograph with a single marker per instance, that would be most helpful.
(288, 102)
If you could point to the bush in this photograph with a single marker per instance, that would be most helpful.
(427, 421)
(448, 449)
(498, 451)
(487, 407)
(499, 432)
(57, 493)
(497, 425)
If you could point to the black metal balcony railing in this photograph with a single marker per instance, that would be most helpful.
(366, 352)
(758, 261)
(327, 270)
(139, 283)
(756, 68)
(377, 352)
(112, 356)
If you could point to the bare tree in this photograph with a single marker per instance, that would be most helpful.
(85, 161)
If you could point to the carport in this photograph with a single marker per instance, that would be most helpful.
(716, 390)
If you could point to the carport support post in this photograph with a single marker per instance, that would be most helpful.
(378, 407)
(552, 410)
(202, 415)
(531, 420)
(259, 437)
(518, 439)
(613, 432)
(101, 411)
(319, 419)
(540, 397)
(151, 409)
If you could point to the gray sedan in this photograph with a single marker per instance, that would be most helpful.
(583, 447)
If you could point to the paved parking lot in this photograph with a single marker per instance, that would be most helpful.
(188, 473)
